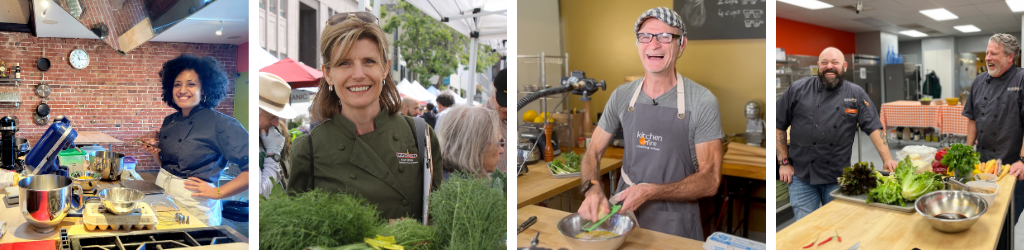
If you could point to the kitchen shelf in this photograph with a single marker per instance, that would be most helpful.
(7, 81)
(4, 103)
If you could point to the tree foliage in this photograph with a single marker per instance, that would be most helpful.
(430, 47)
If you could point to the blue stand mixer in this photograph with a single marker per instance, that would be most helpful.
(42, 159)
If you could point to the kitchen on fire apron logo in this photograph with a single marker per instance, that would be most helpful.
(1011, 89)
(648, 140)
(850, 99)
(407, 158)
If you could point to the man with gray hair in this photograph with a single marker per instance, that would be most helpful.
(823, 113)
(994, 110)
(673, 150)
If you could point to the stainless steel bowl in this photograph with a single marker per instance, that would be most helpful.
(46, 199)
(108, 164)
(937, 208)
(120, 200)
(619, 224)
(87, 184)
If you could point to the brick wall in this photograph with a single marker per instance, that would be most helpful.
(118, 19)
(117, 95)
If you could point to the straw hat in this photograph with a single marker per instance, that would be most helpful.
(274, 94)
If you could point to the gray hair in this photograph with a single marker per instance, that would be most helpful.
(465, 136)
(1010, 45)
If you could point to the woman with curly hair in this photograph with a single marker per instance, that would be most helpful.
(196, 143)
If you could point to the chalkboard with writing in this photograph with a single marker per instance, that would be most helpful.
(722, 19)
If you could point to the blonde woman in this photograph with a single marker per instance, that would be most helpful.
(471, 141)
(361, 145)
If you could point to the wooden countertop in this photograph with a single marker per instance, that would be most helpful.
(538, 184)
(878, 228)
(95, 137)
(18, 230)
(548, 218)
(750, 172)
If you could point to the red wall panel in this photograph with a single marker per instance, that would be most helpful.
(806, 39)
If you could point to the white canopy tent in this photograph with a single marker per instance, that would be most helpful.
(411, 90)
(484, 21)
(264, 58)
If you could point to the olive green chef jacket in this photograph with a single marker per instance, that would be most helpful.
(377, 165)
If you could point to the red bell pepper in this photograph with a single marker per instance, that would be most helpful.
(940, 154)
(938, 168)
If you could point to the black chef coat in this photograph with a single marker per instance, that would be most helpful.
(995, 106)
(824, 123)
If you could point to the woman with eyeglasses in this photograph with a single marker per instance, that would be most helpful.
(362, 145)
(472, 142)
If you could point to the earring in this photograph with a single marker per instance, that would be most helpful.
(330, 87)
(381, 82)
(204, 98)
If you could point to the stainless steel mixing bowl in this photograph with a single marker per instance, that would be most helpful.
(120, 200)
(108, 164)
(951, 211)
(46, 199)
(87, 184)
(619, 224)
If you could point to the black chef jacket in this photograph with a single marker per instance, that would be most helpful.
(824, 123)
(995, 106)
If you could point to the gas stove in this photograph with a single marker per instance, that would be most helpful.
(183, 238)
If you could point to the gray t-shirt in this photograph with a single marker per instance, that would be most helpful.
(701, 106)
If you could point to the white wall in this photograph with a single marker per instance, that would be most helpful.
(938, 55)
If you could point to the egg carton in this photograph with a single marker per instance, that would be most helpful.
(96, 217)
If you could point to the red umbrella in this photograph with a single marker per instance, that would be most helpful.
(295, 73)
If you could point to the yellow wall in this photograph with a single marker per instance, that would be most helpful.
(598, 36)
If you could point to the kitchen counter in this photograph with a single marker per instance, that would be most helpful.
(538, 184)
(878, 228)
(18, 230)
(547, 219)
(735, 170)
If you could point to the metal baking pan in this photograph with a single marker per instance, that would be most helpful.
(863, 199)
(560, 176)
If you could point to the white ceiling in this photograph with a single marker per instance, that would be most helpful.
(198, 28)
(991, 16)
(66, 26)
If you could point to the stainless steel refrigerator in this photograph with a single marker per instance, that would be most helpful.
(865, 71)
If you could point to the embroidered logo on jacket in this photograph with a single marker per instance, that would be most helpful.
(407, 158)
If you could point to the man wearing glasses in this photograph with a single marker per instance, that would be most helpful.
(673, 147)
(822, 113)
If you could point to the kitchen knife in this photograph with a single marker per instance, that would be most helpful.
(526, 224)
(855, 246)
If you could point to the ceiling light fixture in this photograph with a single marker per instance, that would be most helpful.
(1015, 5)
(940, 14)
(967, 28)
(221, 30)
(913, 33)
(46, 6)
(808, 4)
